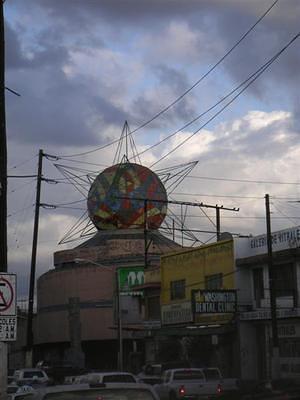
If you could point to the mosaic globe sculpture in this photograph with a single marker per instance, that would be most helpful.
(116, 198)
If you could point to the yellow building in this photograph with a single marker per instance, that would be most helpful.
(185, 275)
(198, 306)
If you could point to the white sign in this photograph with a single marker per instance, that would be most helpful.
(281, 240)
(266, 314)
(8, 318)
(176, 313)
(214, 301)
(8, 294)
(289, 330)
(8, 329)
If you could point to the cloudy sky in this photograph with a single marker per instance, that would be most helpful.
(84, 67)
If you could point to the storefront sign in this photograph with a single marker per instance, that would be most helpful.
(8, 329)
(266, 314)
(128, 278)
(176, 313)
(214, 301)
(289, 330)
(281, 240)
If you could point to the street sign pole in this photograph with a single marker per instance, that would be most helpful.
(3, 194)
(8, 324)
(119, 318)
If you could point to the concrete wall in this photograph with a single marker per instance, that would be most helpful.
(194, 264)
(248, 351)
(95, 289)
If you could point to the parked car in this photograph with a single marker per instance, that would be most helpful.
(30, 376)
(152, 373)
(59, 371)
(193, 383)
(227, 384)
(108, 391)
(106, 377)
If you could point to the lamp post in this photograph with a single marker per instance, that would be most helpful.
(118, 304)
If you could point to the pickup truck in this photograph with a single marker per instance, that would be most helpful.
(194, 383)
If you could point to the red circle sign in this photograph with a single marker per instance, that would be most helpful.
(6, 298)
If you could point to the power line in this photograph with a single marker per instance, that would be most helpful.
(262, 70)
(241, 180)
(21, 176)
(17, 212)
(22, 163)
(236, 217)
(203, 282)
(188, 90)
(208, 72)
(218, 195)
(229, 94)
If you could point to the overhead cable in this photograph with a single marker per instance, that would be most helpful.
(187, 91)
(257, 75)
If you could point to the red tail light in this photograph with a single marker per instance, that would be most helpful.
(219, 389)
(181, 391)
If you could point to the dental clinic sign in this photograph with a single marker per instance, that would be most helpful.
(281, 240)
(129, 278)
(214, 301)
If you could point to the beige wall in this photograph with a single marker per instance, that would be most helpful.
(91, 284)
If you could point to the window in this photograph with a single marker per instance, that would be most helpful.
(289, 347)
(284, 280)
(32, 374)
(119, 378)
(214, 281)
(188, 375)
(167, 376)
(212, 374)
(258, 286)
(153, 304)
(177, 289)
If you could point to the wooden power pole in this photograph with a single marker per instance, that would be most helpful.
(29, 356)
(275, 371)
(3, 194)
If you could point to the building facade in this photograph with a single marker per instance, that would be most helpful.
(255, 327)
(77, 315)
(198, 305)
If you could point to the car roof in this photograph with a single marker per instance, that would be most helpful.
(41, 392)
(109, 373)
(29, 369)
(184, 369)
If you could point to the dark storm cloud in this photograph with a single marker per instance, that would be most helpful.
(59, 114)
(270, 35)
(222, 21)
(175, 82)
(13, 57)
(118, 11)
(272, 139)
(53, 108)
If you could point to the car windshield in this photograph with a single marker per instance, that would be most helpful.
(103, 394)
(211, 374)
(31, 374)
(119, 378)
(188, 375)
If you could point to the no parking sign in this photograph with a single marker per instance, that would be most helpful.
(8, 318)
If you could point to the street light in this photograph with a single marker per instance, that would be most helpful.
(118, 303)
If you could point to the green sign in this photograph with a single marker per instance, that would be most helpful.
(130, 277)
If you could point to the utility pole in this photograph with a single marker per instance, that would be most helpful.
(275, 370)
(3, 194)
(218, 223)
(29, 339)
(3, 152)
(119, 320)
